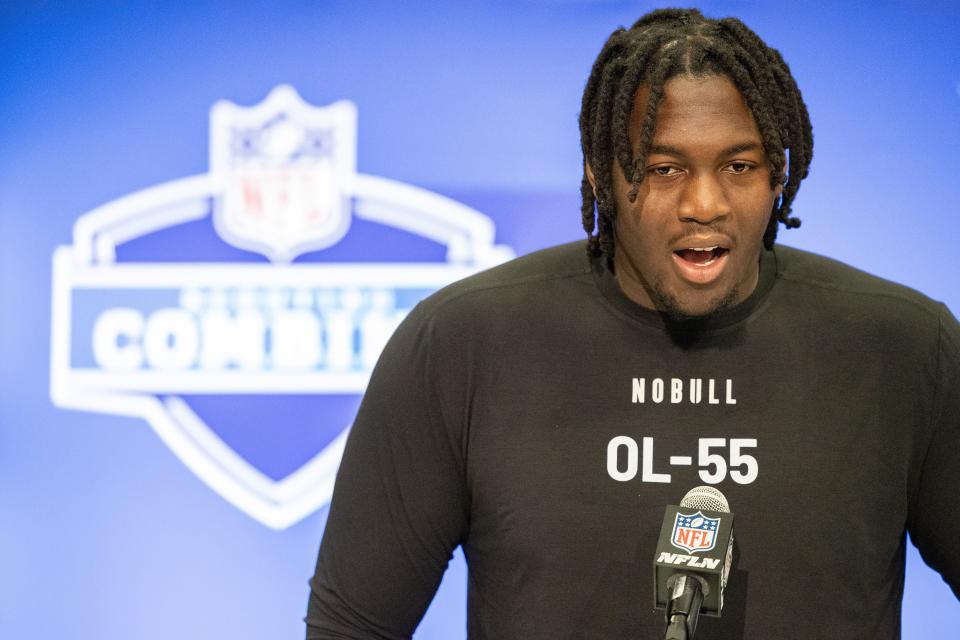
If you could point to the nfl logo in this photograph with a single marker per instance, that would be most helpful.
(695, 532)
(286, 168)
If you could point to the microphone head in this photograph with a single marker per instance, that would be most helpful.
(705, 497)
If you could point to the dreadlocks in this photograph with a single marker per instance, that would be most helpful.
(663, 44)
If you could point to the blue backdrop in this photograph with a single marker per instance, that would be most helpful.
(105, 533)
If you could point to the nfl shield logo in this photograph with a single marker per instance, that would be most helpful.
(286, 169)
(694, 532)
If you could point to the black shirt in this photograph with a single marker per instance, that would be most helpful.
(539, 418)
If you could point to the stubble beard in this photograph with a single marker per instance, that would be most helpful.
(668, 305)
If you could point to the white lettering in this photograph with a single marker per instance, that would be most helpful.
(738, 459)
(613, 453)
(648, 474)
(703, 563)
(339, 340)
(250, 330)
(295, 340)
(171, 339)
(696, 390)
(673, 388)
(676, 390)
(707, 459)
(691, 561)
(657, 390)
(116, 339)
(232, 339)
(714, 466)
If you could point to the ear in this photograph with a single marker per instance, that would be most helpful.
(590, 178)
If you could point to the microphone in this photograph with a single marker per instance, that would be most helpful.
(692, 561)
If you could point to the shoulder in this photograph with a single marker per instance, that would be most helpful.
(493, 310)
(834, 283)
(528, 278)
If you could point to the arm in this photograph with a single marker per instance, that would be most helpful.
(400, 502)
(933, 521)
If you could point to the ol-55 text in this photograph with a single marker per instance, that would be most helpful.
(717, 458)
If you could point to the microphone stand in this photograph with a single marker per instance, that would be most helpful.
(683, 608)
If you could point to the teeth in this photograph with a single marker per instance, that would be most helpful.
(702, 248)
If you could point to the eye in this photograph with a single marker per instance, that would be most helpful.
(664, 171)
(739, 167)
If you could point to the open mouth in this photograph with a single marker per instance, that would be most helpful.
(701, 256)
(701, 265)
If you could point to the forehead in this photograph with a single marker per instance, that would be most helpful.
(697, 109)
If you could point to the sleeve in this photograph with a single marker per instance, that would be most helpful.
(399, 505)
(934, 521)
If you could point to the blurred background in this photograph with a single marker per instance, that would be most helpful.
(104, 531)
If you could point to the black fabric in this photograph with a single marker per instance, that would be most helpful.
(488, 420)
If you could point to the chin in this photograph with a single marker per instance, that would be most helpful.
(677, 311)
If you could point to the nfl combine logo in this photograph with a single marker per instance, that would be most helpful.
(695, 532)
(239, 312)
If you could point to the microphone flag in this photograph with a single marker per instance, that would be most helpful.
(698, 543)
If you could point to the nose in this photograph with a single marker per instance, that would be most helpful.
(703, 200)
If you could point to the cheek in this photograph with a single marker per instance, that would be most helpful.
(636, 226)
(756, 213)
(640, 241)
(650, 211)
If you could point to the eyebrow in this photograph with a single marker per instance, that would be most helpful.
(669, 150)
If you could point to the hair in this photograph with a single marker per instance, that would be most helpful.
(667, 43)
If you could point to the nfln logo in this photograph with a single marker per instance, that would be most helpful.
(239, 312)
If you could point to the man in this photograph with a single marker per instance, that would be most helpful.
(542, 414)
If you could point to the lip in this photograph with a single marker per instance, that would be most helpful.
(713, 239)
(701, 274)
